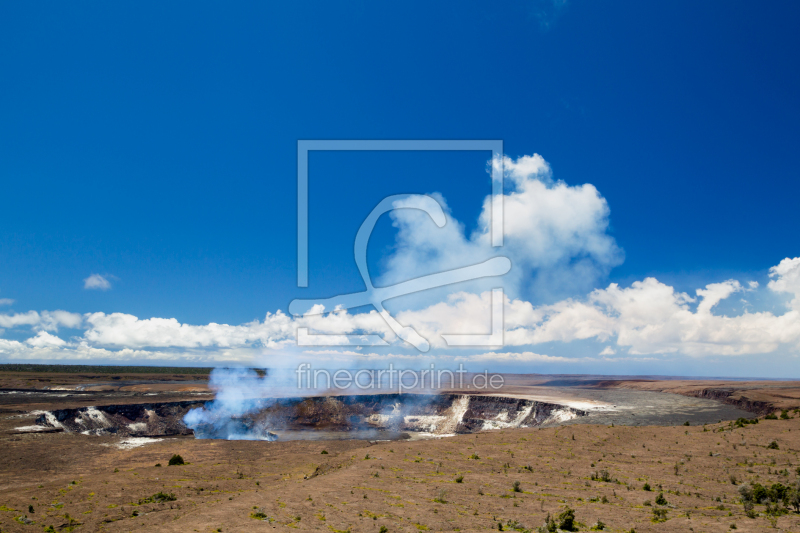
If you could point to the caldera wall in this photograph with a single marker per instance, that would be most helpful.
(440, 414)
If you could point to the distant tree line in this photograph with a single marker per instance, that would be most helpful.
(102, 369)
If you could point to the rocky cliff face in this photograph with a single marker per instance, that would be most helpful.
(742, 402)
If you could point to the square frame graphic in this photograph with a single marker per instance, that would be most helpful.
(305, 146)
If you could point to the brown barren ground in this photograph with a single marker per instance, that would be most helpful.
(361, 487)
(86, 483)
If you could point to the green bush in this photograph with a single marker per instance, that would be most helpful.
(176, 460)
(660, 499)
(158, 497)
(460, 479)
(659, 515)
(566, 520)
(773, 445)
(646, 487)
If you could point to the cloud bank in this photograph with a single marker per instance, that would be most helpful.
(648, 317)
(557, 238)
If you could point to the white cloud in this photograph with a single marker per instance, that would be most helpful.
(47, 320)
(119, 329)
(786, 279)
(31, 318)
(6, 301)
(647, 317)
(44, 339)
(555, 235)
(96, 282)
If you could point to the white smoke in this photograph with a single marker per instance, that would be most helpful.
(239, 392)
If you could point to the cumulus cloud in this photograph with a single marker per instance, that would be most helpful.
(645, 318)
(277, 329)
(46, 320)
(44, 339)
(96, 282)
(556, 236)
(786, 279)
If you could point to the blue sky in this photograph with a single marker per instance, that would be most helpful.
(155, 145)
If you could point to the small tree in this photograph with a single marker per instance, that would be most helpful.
(793, 499)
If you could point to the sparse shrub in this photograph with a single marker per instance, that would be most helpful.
(480, 490)
(599, 526)
(158, 497)
(459, 479)
(785, 415)
(660, 499)
(176, 460)
(158, 465)
(647, 503)
(604, 500)
(603, 475)
(566, 520)
(549, 525)
(259, 515)
(793, 499)
(516, 487)
(514, 525)
(746, 492)
(442, 497)
(383, 529)
(30, 509)
(324, 452)
(474, 456)
(773, 445)
(771, 416)
(686, 423)
(733, 479)
(646, 487)
(659, 515)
